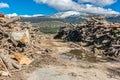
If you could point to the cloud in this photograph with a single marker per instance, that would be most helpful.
(15, 14)
(63, 5)
(25, 15)
(35, 15)
(99, 2)
(12, 15)
(4, 5)
(92, 9)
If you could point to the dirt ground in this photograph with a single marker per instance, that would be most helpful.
(50, 66)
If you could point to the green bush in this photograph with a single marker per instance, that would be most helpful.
(49, 30)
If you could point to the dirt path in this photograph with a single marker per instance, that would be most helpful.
(49, 66)
(70, 73)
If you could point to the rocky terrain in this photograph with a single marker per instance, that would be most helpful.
(96, 33)
(27, 54)
(49, 65)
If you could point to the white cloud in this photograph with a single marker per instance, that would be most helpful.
(25, 15)
(72, 5)
(35, 15)
(99, 2)
(15, 14)
(4, 5)
(99, 10)
(12, 15)
(60, 5)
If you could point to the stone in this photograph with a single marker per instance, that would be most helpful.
(22, 59)
(4, 73)
(22, 36)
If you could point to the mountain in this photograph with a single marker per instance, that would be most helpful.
(74, 14)
(115, 19)
(70, 17)
(74, 20)
(68, 14)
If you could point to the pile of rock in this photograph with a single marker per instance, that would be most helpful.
(15, 44)
(96, 33)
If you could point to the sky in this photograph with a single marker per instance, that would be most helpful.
(48, 7)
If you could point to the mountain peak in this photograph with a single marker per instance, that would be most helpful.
(67, 14)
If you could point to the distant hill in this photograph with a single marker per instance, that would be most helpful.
(74, 20)
(114, 19)
(38, 19)
(73, 17)
(49, 24)
(61, 20)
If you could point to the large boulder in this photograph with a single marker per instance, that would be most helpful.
(22, 36)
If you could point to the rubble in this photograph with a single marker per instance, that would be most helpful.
(22, 59)
(96, 33)
(3, 73)
(15, 46)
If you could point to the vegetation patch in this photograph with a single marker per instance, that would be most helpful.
(49, 30)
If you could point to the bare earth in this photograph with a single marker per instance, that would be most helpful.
(49, 66)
